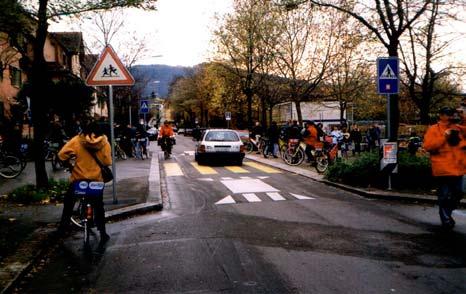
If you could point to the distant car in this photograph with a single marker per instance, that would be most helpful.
(181, 131)
(221, 145)
(152, 132)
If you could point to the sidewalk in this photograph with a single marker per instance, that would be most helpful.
(308, 172)
(26, 231)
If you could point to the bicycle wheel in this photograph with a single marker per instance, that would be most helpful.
(10, 166)
(321, 163)
(249, 147)
(57, 164)
(120, 153)
(294, 158)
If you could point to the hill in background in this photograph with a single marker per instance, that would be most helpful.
(157, 72)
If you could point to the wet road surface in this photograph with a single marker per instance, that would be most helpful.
(255, 229)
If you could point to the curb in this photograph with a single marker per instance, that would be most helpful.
(46, 237)
(376, 194)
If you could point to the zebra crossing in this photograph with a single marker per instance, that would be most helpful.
(261, 197)
(173, 169)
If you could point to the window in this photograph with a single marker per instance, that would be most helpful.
(15, 77)
(221, 136)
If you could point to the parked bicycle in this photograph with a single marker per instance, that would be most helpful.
(256, 145)
(11, 166)
(119, 152)
(84, 215)
(140, 148)
(293, 152)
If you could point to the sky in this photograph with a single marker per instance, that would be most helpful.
(179, 32)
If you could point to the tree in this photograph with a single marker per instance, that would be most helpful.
(304, 50)
(42, 11)
(423, 51)
(387, 20)
(241, 40)
(350, 73)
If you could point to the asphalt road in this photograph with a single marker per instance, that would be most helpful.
(260, 230)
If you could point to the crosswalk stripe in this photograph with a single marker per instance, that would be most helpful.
(251, 197)
(172, 170)
(226, 200)
(237, 169)
(263, 168)
(227, 178)
(276, 196)
(301, 197)
(204, 170)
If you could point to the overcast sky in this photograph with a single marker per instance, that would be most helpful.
(180, 31)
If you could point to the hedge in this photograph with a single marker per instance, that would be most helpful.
(414, 172)
(30, 194)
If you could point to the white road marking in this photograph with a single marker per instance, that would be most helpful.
(251, 197)
(245, 177)
(276, 196)
(206, 179)
(189, 153)
(248, 186)
(226, 200)
(460, 212)
(227, 178)
(262, 178)
(301, 197)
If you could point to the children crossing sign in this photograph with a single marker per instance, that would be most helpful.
(109, 70)
(388, 75)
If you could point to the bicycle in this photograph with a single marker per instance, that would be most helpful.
(293, 153)
(10, 166)
(258, 145)
(140, 148)
(119, 152)
(166, 143)
(84, 215)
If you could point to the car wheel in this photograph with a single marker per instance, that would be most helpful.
(239, 162)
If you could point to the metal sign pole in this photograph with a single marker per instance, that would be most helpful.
(112, 143)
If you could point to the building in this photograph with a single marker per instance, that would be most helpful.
(325, 112)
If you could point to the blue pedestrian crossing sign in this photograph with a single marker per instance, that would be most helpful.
(144, 106)
(388, 81)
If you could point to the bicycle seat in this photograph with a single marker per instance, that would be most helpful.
(88, 188)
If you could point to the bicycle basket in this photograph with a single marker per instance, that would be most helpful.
(88, 188)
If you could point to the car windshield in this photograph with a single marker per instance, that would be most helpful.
(221, 136)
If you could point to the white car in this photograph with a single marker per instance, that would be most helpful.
(220, 144)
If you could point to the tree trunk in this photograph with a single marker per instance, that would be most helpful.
(270, 114)
(263, 113)
(342, 112)
(298, 111)
(249, 96)
(39, 82)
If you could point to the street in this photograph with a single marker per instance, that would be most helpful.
(257, 229)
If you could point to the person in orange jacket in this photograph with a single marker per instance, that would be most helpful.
(311, 138)
(166, 138)
(79, 148)
(447, 147)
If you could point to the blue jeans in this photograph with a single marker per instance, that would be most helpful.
(273, 146)
(449, 196)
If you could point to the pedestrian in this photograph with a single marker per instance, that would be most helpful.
(356, 139)
(447, 147)
(273, 134)
(80, 148)
(373, 137)
(311, 138)
(257, 132)
(336, 135)
(293, 131)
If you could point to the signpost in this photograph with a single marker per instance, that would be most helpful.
(388, 83)
(110, 71)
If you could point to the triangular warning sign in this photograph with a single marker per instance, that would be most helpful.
(388, 73)
(144, 105)
(109, 71)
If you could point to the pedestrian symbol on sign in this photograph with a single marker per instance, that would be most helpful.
(388, 73)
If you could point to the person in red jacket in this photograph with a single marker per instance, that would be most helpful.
(447, 147)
